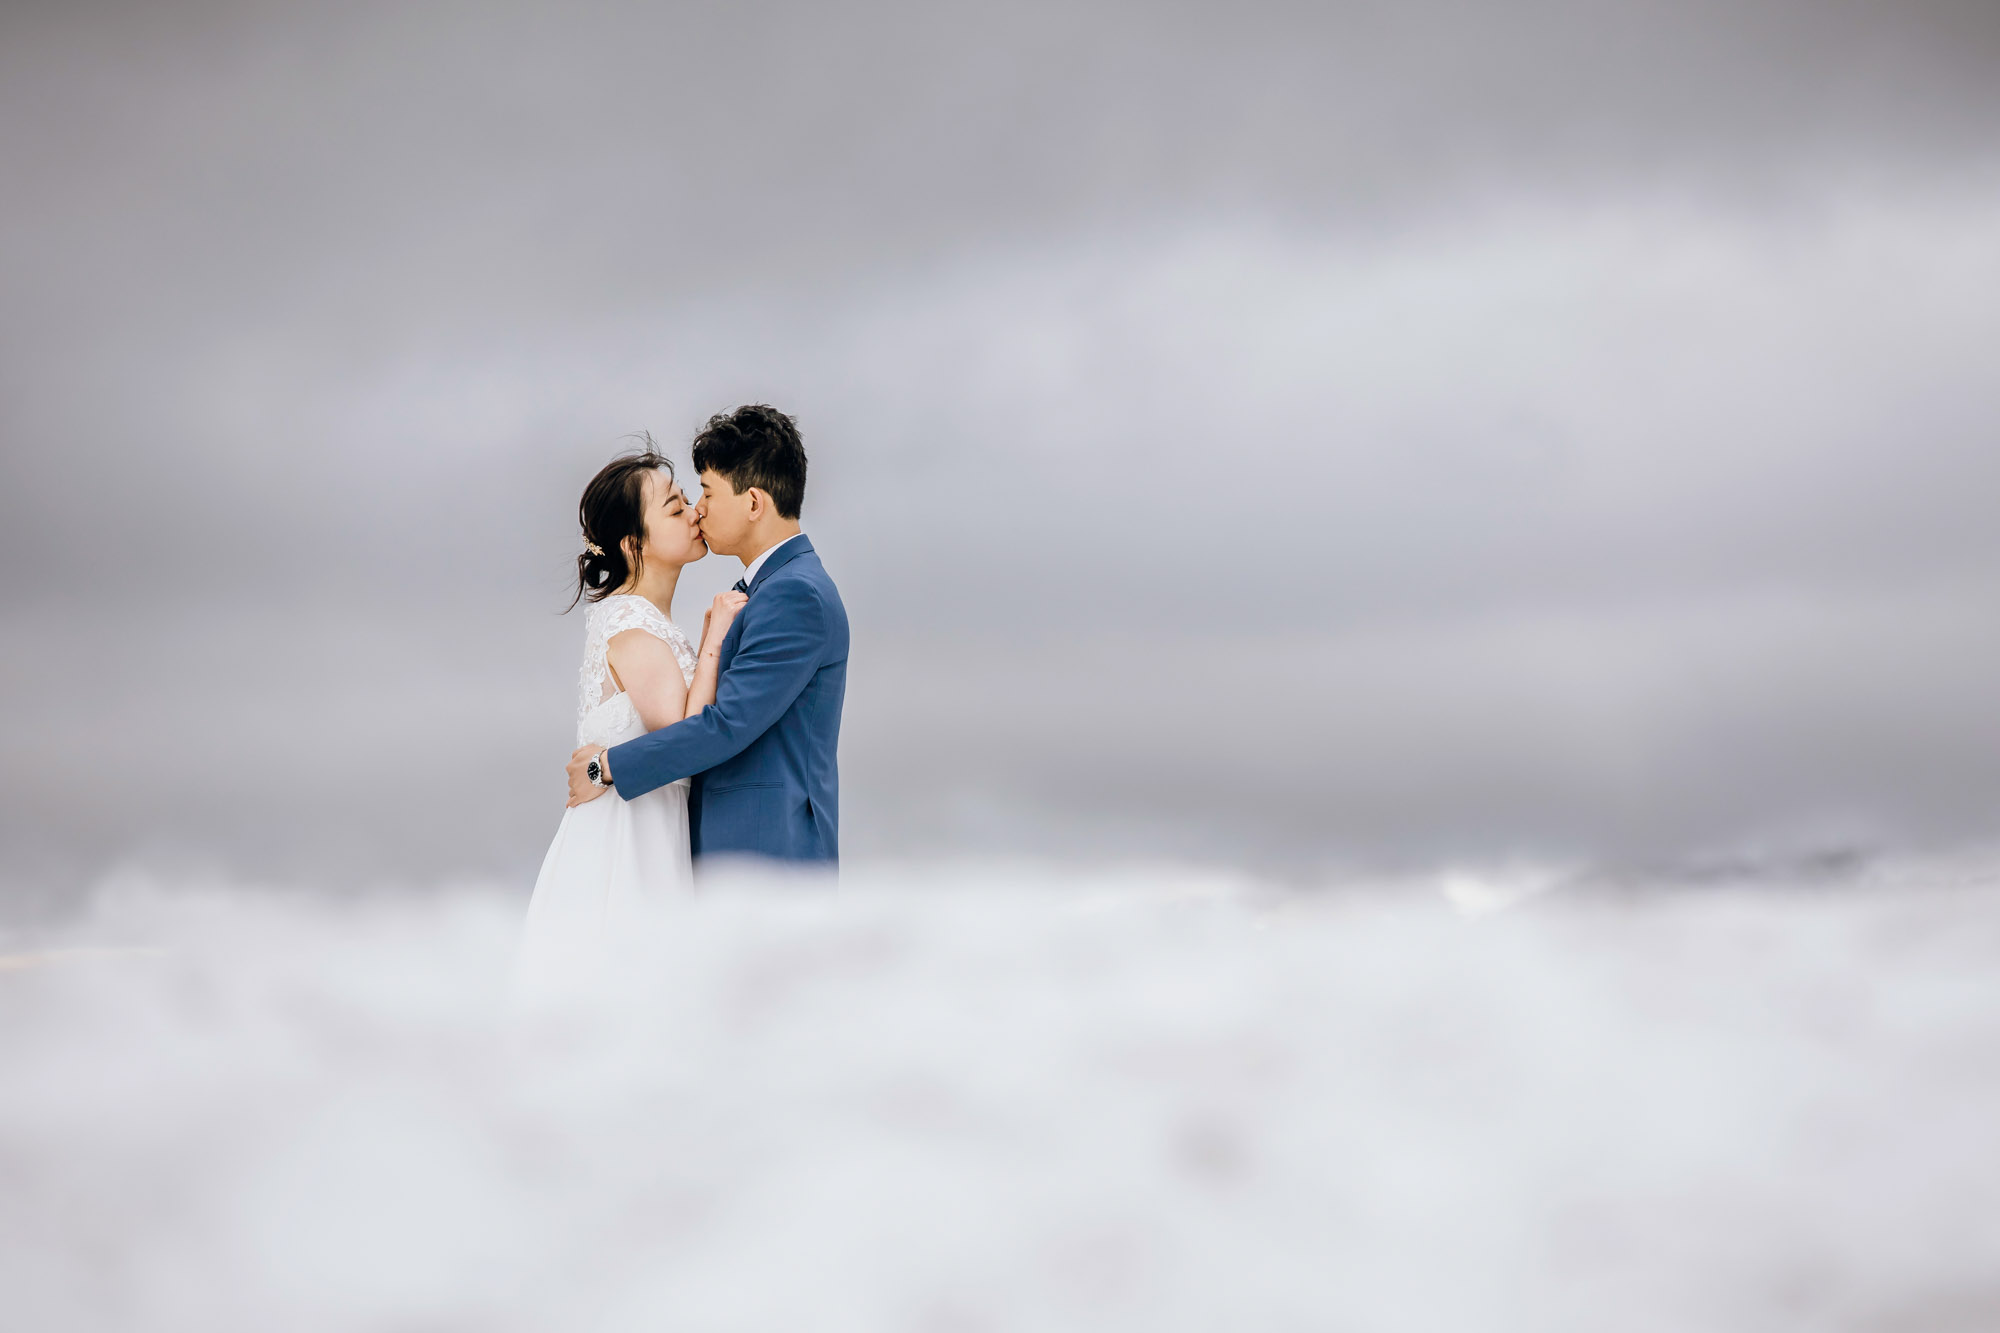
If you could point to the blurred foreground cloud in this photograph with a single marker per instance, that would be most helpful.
(1013, 1099)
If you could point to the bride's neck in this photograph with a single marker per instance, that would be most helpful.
(656, 583)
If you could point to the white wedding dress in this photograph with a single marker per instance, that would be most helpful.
(614, 863)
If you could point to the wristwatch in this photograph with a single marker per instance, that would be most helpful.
(598, 771)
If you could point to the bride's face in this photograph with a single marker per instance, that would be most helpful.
(673, 533)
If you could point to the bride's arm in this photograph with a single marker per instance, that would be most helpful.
(708, 663)
(645, 668)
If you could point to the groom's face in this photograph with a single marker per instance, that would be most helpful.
(725, 515)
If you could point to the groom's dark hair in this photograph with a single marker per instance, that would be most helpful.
(756, 446)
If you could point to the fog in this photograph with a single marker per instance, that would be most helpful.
(1015, 1098)
(1276, 436)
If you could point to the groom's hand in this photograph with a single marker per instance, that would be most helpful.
(581, 788)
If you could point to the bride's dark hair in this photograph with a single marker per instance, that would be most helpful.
(614, 508)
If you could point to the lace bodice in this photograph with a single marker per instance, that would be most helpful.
(604, 713)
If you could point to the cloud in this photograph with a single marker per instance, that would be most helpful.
(1153, 1101)
(1119, 340)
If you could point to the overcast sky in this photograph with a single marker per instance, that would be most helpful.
(1301, 434)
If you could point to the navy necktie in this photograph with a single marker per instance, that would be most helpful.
(741, 587)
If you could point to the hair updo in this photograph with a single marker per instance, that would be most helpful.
(613, 508)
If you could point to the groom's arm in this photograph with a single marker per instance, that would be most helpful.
(783, 638)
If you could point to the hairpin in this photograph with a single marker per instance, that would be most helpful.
(593, 548)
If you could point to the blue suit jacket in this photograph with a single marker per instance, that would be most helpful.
(762, 756)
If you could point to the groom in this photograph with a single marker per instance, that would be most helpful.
(762, 755)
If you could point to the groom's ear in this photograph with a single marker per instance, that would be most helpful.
(760, 502)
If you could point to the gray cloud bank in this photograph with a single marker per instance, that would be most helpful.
(1302, 435)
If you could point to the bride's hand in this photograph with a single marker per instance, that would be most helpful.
(721, 611)
(581, 788)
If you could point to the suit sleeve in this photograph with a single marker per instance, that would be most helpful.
(783, 638)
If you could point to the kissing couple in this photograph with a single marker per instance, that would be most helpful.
(686, 754)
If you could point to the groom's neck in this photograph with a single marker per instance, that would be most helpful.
(784, 533)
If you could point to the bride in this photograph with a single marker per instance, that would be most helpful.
(614, 863)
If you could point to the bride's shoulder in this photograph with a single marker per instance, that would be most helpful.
(624, 610)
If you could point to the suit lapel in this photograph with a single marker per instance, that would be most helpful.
(792, 549)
